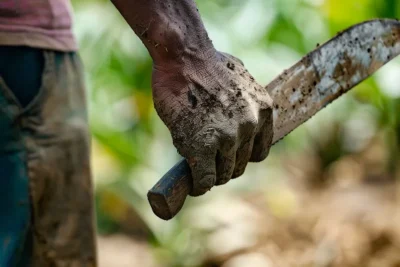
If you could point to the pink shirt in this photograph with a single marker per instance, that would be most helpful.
(37, 23)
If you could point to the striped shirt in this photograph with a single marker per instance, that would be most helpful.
(37, 23)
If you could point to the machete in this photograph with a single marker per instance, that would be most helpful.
(300, 92)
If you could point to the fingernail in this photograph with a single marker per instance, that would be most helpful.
(207, 181)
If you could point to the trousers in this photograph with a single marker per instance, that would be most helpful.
(46, 194)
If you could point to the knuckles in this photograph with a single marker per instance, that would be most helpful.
(211, 105)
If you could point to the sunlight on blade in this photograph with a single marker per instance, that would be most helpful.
(331, 70)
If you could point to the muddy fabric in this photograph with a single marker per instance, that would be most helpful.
(45, 147)
(14, 192)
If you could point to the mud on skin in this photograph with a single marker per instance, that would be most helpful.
(218, 116)
(220, 120)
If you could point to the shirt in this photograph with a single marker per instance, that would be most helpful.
(43, 24)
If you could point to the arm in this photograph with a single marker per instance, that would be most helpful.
(168, 28)
(218, 116)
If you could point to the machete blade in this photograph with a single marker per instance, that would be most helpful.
(331, 70)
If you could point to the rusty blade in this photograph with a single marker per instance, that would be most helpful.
(331, 70)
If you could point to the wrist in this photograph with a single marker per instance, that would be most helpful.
(177, 42)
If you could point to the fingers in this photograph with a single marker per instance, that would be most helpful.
(243, 155)
(229, 159)
(225, 167)
(203, 169)
(263, 140)
(208, 167)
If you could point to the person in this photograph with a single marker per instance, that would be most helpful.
(218, 116)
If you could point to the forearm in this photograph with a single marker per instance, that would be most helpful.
(168, 28)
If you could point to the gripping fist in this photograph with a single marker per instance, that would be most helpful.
(220, 118)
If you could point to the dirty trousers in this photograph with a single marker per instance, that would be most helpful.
(46, 197)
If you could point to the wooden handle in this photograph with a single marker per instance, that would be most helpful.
(167, 197)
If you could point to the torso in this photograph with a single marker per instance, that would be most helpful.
(43, 24)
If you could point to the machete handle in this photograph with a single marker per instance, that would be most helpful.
(167, 197)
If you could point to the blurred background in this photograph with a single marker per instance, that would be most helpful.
(326, 196)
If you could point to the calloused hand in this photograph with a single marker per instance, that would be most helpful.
(220, 118)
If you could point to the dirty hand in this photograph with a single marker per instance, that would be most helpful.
(220, 118)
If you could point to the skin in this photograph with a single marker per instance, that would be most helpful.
(219, 117)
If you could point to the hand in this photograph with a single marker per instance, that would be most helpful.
(220, 118)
